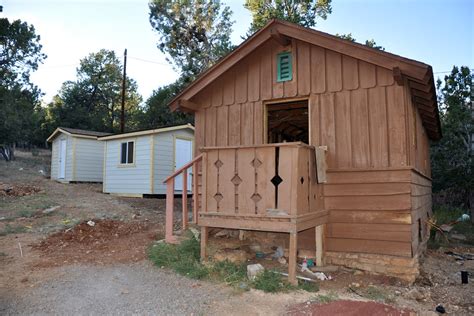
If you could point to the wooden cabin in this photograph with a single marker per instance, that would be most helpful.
(77, 155)
(136, 163)
(304, 133)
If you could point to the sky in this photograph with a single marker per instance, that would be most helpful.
(436, 32)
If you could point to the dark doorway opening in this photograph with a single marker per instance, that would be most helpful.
(288, 122)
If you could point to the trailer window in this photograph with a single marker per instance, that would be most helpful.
(126, 152)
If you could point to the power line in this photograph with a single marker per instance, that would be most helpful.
(448, 71)
(148, 61)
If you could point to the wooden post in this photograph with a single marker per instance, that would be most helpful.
(204, 238)
(292, 258)
(169, 211)
(195, 193)
(185, 199)
(319, 245)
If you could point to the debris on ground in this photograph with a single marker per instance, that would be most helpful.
(91, 223)
(51, 209)
(253, 270)
(346, 307)
(17, 190)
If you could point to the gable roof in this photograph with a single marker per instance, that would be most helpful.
(148, 132)
(76, 132)
(417, 75)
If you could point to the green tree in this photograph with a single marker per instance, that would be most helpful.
(20, 111)
(93, 101)
(193, 33)
(156, 112)
(302, 12)
(452, 157)
(370, 43)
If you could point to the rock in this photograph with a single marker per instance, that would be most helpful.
(397, 293)
(253, 270)
(446, 228)
(232, 255)
(358, 272)
(51, 209)
(428, 313)
(227, 233)
(415, 294)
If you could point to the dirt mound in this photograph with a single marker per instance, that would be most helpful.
(17, 190)
(347, 308)
(108, 241)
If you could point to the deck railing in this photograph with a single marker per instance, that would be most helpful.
(170, 192)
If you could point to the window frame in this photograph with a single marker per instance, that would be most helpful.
(127, 152)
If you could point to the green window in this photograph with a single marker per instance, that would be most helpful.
(284, 67)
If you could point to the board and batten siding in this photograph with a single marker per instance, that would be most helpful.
(128, 179)
(357, 111)
(89, 160)
(164, 156)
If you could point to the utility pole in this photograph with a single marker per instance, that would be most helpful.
(122, 115)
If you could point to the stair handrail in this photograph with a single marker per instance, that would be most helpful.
(169, 237)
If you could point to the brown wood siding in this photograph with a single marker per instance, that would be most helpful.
(369, 211)
(421, 204)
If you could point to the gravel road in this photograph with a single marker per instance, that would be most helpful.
(114, 290)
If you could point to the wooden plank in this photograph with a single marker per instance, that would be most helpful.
(374, 202)
(342, 113)
(235, 222)
(229, 87)
(277, 91)
(204, 189)
(234, 124)
(396, 126)
(302, 180)
(254, 78)
(290, 88)
(200, 131)
(241, 71)
(367, 75)
(378, 128)
(246, 124)
(319, 231)
(266, 75)
(328, 127)
(314, 120)
(318, 69)
(384, 77)
(216, 89)
(304, 75)
(369, 176)
(258, 122)
(211, 126)
(370, 216)
(360, 129)
(350, 79)
(389, 232)
(184, 200)
(223, 124)
(265, 173)
(226, 187)
(292, 259)
(246, 173)
(315, 196)
(169, 211)
(365, 189)
(285, 171)
(333, 71)
(394, 248)
(196, 200)
(211, 181)
(321, 163)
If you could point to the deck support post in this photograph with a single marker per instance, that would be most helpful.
(169, 211)
(292, 258)
(185, 200)
(319, 244)
(195, 193)
(204, 239)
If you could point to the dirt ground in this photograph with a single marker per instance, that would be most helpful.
(53, 261)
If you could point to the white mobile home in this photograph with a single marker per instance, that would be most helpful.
(136, 163)
(77, 155)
